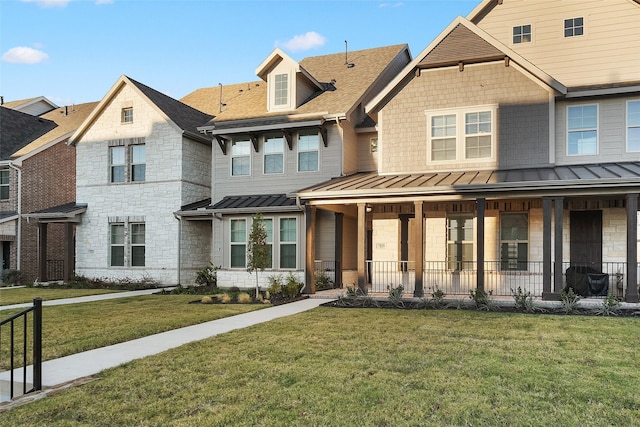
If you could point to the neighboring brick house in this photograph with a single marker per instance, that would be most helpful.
(139, 157)
(509, 157)
(302, 123)
(17, 129)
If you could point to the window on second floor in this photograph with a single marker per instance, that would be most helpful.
(127, 163)
(274, 155)
(4, 185)
(582, 130)
(241, 158)
(127, 115)
(281, 89)
(308, 151)
(522, 34)
(633, 126)
(461, 135)
(574, 27)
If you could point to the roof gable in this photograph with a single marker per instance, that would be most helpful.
(490, 48)
(183, 117)
(34, 106)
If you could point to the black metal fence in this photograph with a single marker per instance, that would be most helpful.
(18, 344)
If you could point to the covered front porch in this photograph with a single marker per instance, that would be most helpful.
(455, 241)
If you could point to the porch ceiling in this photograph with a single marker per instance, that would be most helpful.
(594, 178)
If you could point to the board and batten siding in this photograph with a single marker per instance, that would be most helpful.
(522, 120)
(612, 144)
(608, 52)
(367, 161)
(196, 171)
(330, 162)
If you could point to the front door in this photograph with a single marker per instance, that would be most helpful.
(6, 255)
(586, 239)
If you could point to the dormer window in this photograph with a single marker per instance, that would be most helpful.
(281, 89)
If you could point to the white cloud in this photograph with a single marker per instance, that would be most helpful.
(49, 3)
(304, 41)
(24, 55)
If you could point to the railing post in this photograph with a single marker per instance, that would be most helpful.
(37, 343)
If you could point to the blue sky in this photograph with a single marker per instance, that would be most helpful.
(73, 51)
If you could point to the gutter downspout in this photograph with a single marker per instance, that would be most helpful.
(179, 218)
(19, 209)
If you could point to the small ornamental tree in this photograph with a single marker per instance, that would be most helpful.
(258, 250)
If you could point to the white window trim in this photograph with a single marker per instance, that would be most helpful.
(8, 184)
(461, 134)
(231, 157)
(290, 90)
(504, 240)
(627, 126)
(296, 243)
(597, 129)
(584, 27)
(127, 244)
(307, 151)
(265, 154)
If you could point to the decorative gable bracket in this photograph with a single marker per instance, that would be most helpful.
(222, 142)
(288, 136)
(254, 141)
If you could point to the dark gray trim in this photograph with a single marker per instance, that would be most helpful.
(632, 248)
(480, 206)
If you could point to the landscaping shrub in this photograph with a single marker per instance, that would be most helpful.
(244, 298)
(206, 300)
(322, 281)
(207, 276)
(292, 287)
(11, 276)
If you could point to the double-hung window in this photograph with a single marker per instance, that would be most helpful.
(514, 241)
(582, 129)
(633, 126)
(274, 155)
(238, 243)
(443, 137)
(460, 242)
(138, 162)
(268, 226)
(308, 149)
(117, 245)
(281, 89)
(118, 163)
(127, 244)
(241, 158)
(573, 27)
(4, 185)
(288, 239)
(522, 34)
(461, 135)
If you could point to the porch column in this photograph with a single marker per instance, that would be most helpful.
(632, 248)
(69, 252)
(546, 247)
(362, 246)
(310, 257)
(558, 212)
(481, 204)
(404, 239)
(339, 217)
(42, 252)
(419, 250)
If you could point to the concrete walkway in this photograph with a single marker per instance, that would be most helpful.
(69, 368)
(88, 298)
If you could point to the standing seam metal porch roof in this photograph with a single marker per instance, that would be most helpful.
(616, 174)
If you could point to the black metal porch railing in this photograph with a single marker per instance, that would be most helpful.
(499, 278)
(36, 346)
(55, 269)
(325, 275)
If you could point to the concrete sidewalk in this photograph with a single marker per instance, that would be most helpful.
(69, 368)
(88, 298)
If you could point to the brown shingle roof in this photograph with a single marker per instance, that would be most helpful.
(67, 119)
(249, 100)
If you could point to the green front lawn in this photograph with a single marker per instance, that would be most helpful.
(26, 295)
(73, 328)
(373, 367)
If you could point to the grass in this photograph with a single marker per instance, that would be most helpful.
(69, 329)
(373, 367)
(25, 295)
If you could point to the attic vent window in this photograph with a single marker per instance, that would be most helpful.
(573, 27)
(281, 88)
(127, 115)
(522, 34)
